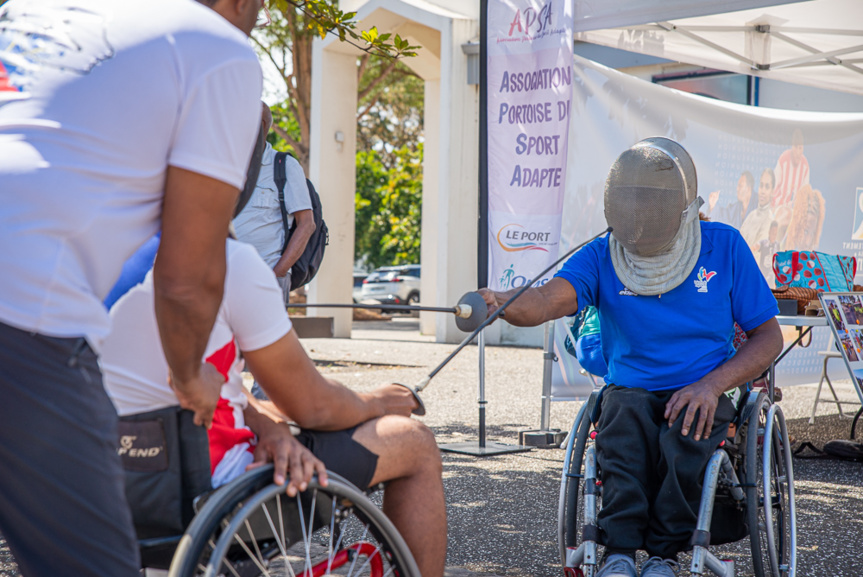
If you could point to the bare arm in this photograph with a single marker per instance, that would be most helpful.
(762, 347)
(553, 300)
(297, 244)
(189, 277)
(276, 444)
(298, 390)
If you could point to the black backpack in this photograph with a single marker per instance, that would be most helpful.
(306, 267)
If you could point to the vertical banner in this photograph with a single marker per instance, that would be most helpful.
(528, 100)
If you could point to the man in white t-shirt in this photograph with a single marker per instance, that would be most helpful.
(260, 224)
(368, 438)
(113, 116)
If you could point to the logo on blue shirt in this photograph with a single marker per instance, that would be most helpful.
(627, 293)
(703, 278)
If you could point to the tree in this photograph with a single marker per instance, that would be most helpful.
(287, 44)
(389, 205)
(389, 164)
(390, 113)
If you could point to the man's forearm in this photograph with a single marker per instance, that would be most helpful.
(334, 407)
(255, 419)
(297, 243)
(189, 273)
(292, 253)
(535, 306)
(761, 349)
(186, 312)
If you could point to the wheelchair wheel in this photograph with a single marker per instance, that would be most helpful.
(570, 515)
(256, 529)
(769, 482)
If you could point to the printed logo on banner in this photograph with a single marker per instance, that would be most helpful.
(530, 17)
(530, 23)
(510, 279)
(516, 238)
(506, 277)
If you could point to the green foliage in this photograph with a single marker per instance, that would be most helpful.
(388, 207)
(284, 119)
(390, 108)
(389, 164)
(322, 17)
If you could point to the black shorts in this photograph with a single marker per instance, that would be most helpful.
(342, 455)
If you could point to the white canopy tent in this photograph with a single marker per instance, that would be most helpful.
(816, 42)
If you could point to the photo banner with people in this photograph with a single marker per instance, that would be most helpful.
(788, 180)
(529, 88)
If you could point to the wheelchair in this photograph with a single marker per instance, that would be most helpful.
(249, 526)
(750, 473)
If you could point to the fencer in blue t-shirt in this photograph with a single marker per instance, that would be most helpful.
(668, 288)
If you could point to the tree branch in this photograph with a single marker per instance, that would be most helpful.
(361, 69)
(269, 56)
(374, 83)
(369, 107)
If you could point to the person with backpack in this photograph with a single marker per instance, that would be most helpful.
(279, 223)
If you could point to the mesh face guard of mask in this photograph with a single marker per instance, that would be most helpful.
(651, 204)
(648, 189)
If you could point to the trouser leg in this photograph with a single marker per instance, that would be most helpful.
(63, 508)
(627, 452)
(285, 284)
(682, 464)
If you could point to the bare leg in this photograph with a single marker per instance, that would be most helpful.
(409, 460)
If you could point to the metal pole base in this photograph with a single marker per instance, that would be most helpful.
(542, 438)
(490, 449)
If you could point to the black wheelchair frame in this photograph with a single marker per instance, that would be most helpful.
(752, 468)
(250, 527)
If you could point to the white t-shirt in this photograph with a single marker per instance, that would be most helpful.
(260, 223)
(252, 316)
(93, 108)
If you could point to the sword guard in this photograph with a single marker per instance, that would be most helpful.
(421, 408)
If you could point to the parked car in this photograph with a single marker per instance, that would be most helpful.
(359, 277)
(393, 285)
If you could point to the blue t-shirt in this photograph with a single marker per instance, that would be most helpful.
(672, 340)
(134, 270)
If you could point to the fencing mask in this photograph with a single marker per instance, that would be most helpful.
(652, 207)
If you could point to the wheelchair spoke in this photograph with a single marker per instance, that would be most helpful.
(354, 560)
(254, 539)
(337, 525)
(330, 549)
(377, 551)
(307, 537)
(253, 558)
(283, 541)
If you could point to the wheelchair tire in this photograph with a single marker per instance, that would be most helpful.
(254, 528)
(769, 483)
(570, 512)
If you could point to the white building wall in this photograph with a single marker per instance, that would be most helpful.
(458, 148)
(431, 269)
(332, 167)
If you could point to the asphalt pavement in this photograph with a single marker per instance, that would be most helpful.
(502, 510)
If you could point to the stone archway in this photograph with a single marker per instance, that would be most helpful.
(450, 165)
